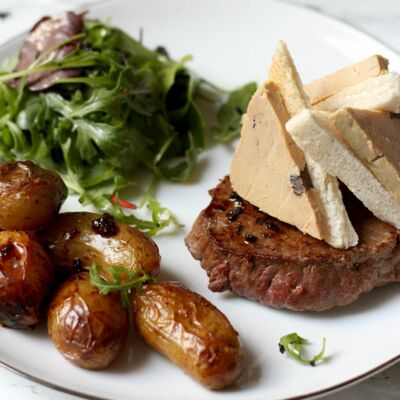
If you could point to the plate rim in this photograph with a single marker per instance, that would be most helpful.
(307, 8)
(329, 390)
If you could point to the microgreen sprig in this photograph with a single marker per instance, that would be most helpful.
(122, 280)
(292, 345)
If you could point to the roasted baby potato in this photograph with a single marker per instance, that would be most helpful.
(26, 277)
(79, 239)
(29, 196)
(190, 331)
(87, 328)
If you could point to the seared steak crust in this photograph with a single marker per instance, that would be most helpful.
(264, 259)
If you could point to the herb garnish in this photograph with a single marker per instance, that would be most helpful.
(127, 109)
(292, 345)
(121, 280)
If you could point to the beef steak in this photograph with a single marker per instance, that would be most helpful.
(264, 259)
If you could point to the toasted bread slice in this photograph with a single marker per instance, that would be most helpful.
(374, 136)
(271, 172)
(333, 83)
(378, 93)
(285, 76)
(315, 133)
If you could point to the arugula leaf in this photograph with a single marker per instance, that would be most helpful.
(120, 279)
(103, 37)
(292, 345)
(168, 74)
(72, 60)
(230, 114)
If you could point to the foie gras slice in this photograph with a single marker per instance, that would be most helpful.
(315, 133)
(269, 170)
(374, 136)
(338, 229)
(378, 93)
(329, 85)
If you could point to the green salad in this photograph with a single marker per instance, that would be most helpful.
(123, 110)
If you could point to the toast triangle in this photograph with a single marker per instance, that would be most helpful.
(315, 133)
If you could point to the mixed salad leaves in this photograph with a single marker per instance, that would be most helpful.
(98, 107)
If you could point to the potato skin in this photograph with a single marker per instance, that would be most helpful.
(71, 237)
(87, 328)
(29, 196)
(190, 331)
(26, 278)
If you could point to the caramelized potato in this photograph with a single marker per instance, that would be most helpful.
(87, 328)
(29, 196)
(26, 277)
(79, 239)
(190, 331)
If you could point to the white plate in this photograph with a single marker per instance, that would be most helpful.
(232, 42)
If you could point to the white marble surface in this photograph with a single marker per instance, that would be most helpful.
(379, 18)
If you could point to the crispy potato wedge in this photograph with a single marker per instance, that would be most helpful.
(190, 331)
(26, 278)
(76, 240)
(87, 328)
(29, 196)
